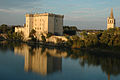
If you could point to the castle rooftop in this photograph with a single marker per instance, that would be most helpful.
(43, 14)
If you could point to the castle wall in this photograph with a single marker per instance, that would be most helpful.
(42, 24)
(51, 24)
(58, 25)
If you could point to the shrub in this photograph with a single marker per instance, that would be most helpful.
(32, 33)
(43, 38)
(49, 35)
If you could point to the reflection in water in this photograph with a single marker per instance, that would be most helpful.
(110, 64)
(46, 60)
(40, 60)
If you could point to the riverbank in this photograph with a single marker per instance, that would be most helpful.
(94, 50)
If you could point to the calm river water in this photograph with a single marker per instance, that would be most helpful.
(23, 62)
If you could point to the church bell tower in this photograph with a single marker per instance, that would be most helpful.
(111, 20)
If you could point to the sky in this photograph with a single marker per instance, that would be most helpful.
(85, 14)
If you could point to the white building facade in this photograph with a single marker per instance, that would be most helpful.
(42, 23)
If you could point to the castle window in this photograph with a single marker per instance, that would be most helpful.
(111, 21)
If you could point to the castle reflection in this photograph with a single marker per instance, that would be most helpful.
(45, 60)
(41, 60)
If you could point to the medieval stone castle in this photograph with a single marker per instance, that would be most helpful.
(42, 23)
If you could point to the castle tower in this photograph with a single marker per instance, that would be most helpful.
(111, 20)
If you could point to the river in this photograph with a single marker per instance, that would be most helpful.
(24, 62)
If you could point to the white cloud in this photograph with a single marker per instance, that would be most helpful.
(12, 10)
(5, 10)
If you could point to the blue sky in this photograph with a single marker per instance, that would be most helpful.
(85, 14)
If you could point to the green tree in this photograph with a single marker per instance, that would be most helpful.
(49, 35)
(116, 41)
(15, 36)
(3, 28)
(32, 33)
(43, 38)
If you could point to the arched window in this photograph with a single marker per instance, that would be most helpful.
(110, 21)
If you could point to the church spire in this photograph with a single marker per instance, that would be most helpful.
(111, 15)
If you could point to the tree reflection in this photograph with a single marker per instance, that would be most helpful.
(110, 64)
(5, 45)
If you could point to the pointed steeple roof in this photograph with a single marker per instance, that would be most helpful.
(111, 15)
